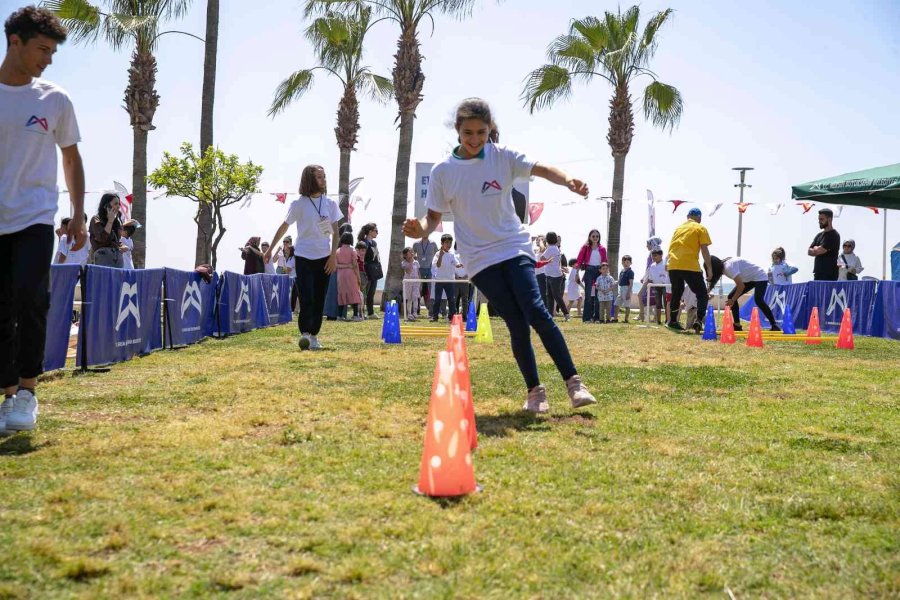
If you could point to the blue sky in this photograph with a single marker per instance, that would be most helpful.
(798, 93)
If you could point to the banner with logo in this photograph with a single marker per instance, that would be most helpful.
(242, 303)
(121, 315)
(277, 291)
(832, 297)
(59, 318)
(778, 297)
(886, 317)
(191, 304)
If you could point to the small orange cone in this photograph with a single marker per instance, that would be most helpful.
(845, 337)
(446, 468)
(813, 332)
(754, 337)
(457, 347)
(727, 327)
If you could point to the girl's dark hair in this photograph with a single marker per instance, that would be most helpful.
(494, 135)
(718, 266)
(129, 229)
(308, 183)
(475, 108)
(552, 238)
(572, 262)
(289, 251)
(364, 232)
(446, 238)
(347, 238)
(590, 233)
(103, 208)
(345, 228)
(360, 245)
(780, 252)
(405, 250)
(31, 21)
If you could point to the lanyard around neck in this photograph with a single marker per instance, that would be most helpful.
(319, 209)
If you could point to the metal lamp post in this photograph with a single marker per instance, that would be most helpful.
(741, 185)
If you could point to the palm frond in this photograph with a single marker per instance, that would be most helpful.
(648, 40)
(572, 52)
(630, 20)
(292, 88)
(593, 30)
(546, 85)
(663, 105)
(380, 89)
(80, 17)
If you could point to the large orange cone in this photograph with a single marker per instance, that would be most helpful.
(813, 332)
(446, 468)
(754, 337)
(727, 327)
(845, 337)
(456, 345)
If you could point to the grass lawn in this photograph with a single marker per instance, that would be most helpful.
(244, 468)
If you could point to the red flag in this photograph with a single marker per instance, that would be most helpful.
(676, 204)
(350, 209)
(742, 206)
(281, 197)
(806, 206)
(534, 211)
(873, 209)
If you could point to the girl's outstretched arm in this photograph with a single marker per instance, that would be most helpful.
(419, 228)
(560, 177)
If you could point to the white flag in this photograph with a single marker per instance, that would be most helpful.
(651, 214)
(716, 209)
(775, 207)
(838, 210)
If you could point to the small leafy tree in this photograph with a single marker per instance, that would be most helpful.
(213, 180)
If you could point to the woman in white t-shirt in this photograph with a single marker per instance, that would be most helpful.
(475, 184)
(316, 216)
(553, 270)
(746, 276)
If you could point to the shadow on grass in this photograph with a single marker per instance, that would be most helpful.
(18, 445)
(504, 424)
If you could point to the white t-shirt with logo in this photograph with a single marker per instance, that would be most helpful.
(312, 242)
(478, 192)
(34, 120)
(74, 257)
(746, 270)
(553, 268)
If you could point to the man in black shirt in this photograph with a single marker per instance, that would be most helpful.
(825, 248)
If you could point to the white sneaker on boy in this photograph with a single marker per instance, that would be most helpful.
(23, 416)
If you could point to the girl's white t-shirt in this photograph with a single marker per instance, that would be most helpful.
(553, 268)
(746, 270)
(288, 263)
(312, 242)
(594, 257)
(478, 192)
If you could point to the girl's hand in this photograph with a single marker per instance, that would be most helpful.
(412, 228)
(578, 186)
(331, 264)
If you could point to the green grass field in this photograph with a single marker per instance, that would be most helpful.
(244, 468)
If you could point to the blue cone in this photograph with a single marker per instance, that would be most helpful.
(787, 323)
(472, 318)
(392, 324)
(709, 327)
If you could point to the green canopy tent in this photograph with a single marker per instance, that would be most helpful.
(878, 187)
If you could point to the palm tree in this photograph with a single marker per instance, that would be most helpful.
(610, 48)
(338, 42)
(203, 252)
(134, 24)
(408, 83)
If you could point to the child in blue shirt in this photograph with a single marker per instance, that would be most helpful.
(780, 272)
(626, 280)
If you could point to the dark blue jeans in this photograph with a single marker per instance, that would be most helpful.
(439, 289)
(591, 309)
(512, 289)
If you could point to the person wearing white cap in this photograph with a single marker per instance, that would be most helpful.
(688, 239)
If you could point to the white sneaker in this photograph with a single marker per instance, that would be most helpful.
(5, 409)
(23, 416)
(357, 318)
(578, 394)
(304, 341)
(536, 402)
(314, 343)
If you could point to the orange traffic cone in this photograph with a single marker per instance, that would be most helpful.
(845, 337)
(457, 347)
(446, 468)
(754, 337)
(727, 327)
(813, 332)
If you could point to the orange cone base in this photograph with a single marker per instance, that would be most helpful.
(418, 492)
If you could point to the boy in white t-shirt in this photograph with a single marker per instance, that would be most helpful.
(443, 266)
(656, 273)
(36, 116)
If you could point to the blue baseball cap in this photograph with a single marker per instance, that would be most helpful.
(695, 212)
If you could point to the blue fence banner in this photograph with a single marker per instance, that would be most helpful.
(832, 297)
(121, 314)
(59, 318)
(778, 297)
(277, 291)
(242, 303)
(886, 320)
(191, 304)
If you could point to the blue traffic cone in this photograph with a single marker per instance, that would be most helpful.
(709, 327)
(393, 324)
(472, 318)
(386, 324)
(787, 323)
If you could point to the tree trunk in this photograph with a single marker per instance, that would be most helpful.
(346, 134)
(205, 217)
(219, 231)
(139, 196)
(344, 185)
(394, 279)
(615, 214)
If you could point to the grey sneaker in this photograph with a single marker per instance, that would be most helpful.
(536, 402)
(579, 394)
(314, 343)
(304, 342)
(23, 415)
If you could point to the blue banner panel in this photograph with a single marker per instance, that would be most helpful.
(121, 315)
(886, 321)
(191, 305)
(832, 297)
(277, 291)
(242, 303)
(59, 318)
(778, 297)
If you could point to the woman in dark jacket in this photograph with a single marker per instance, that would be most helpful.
(374, 272)
(253, 257)
(104, 232)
